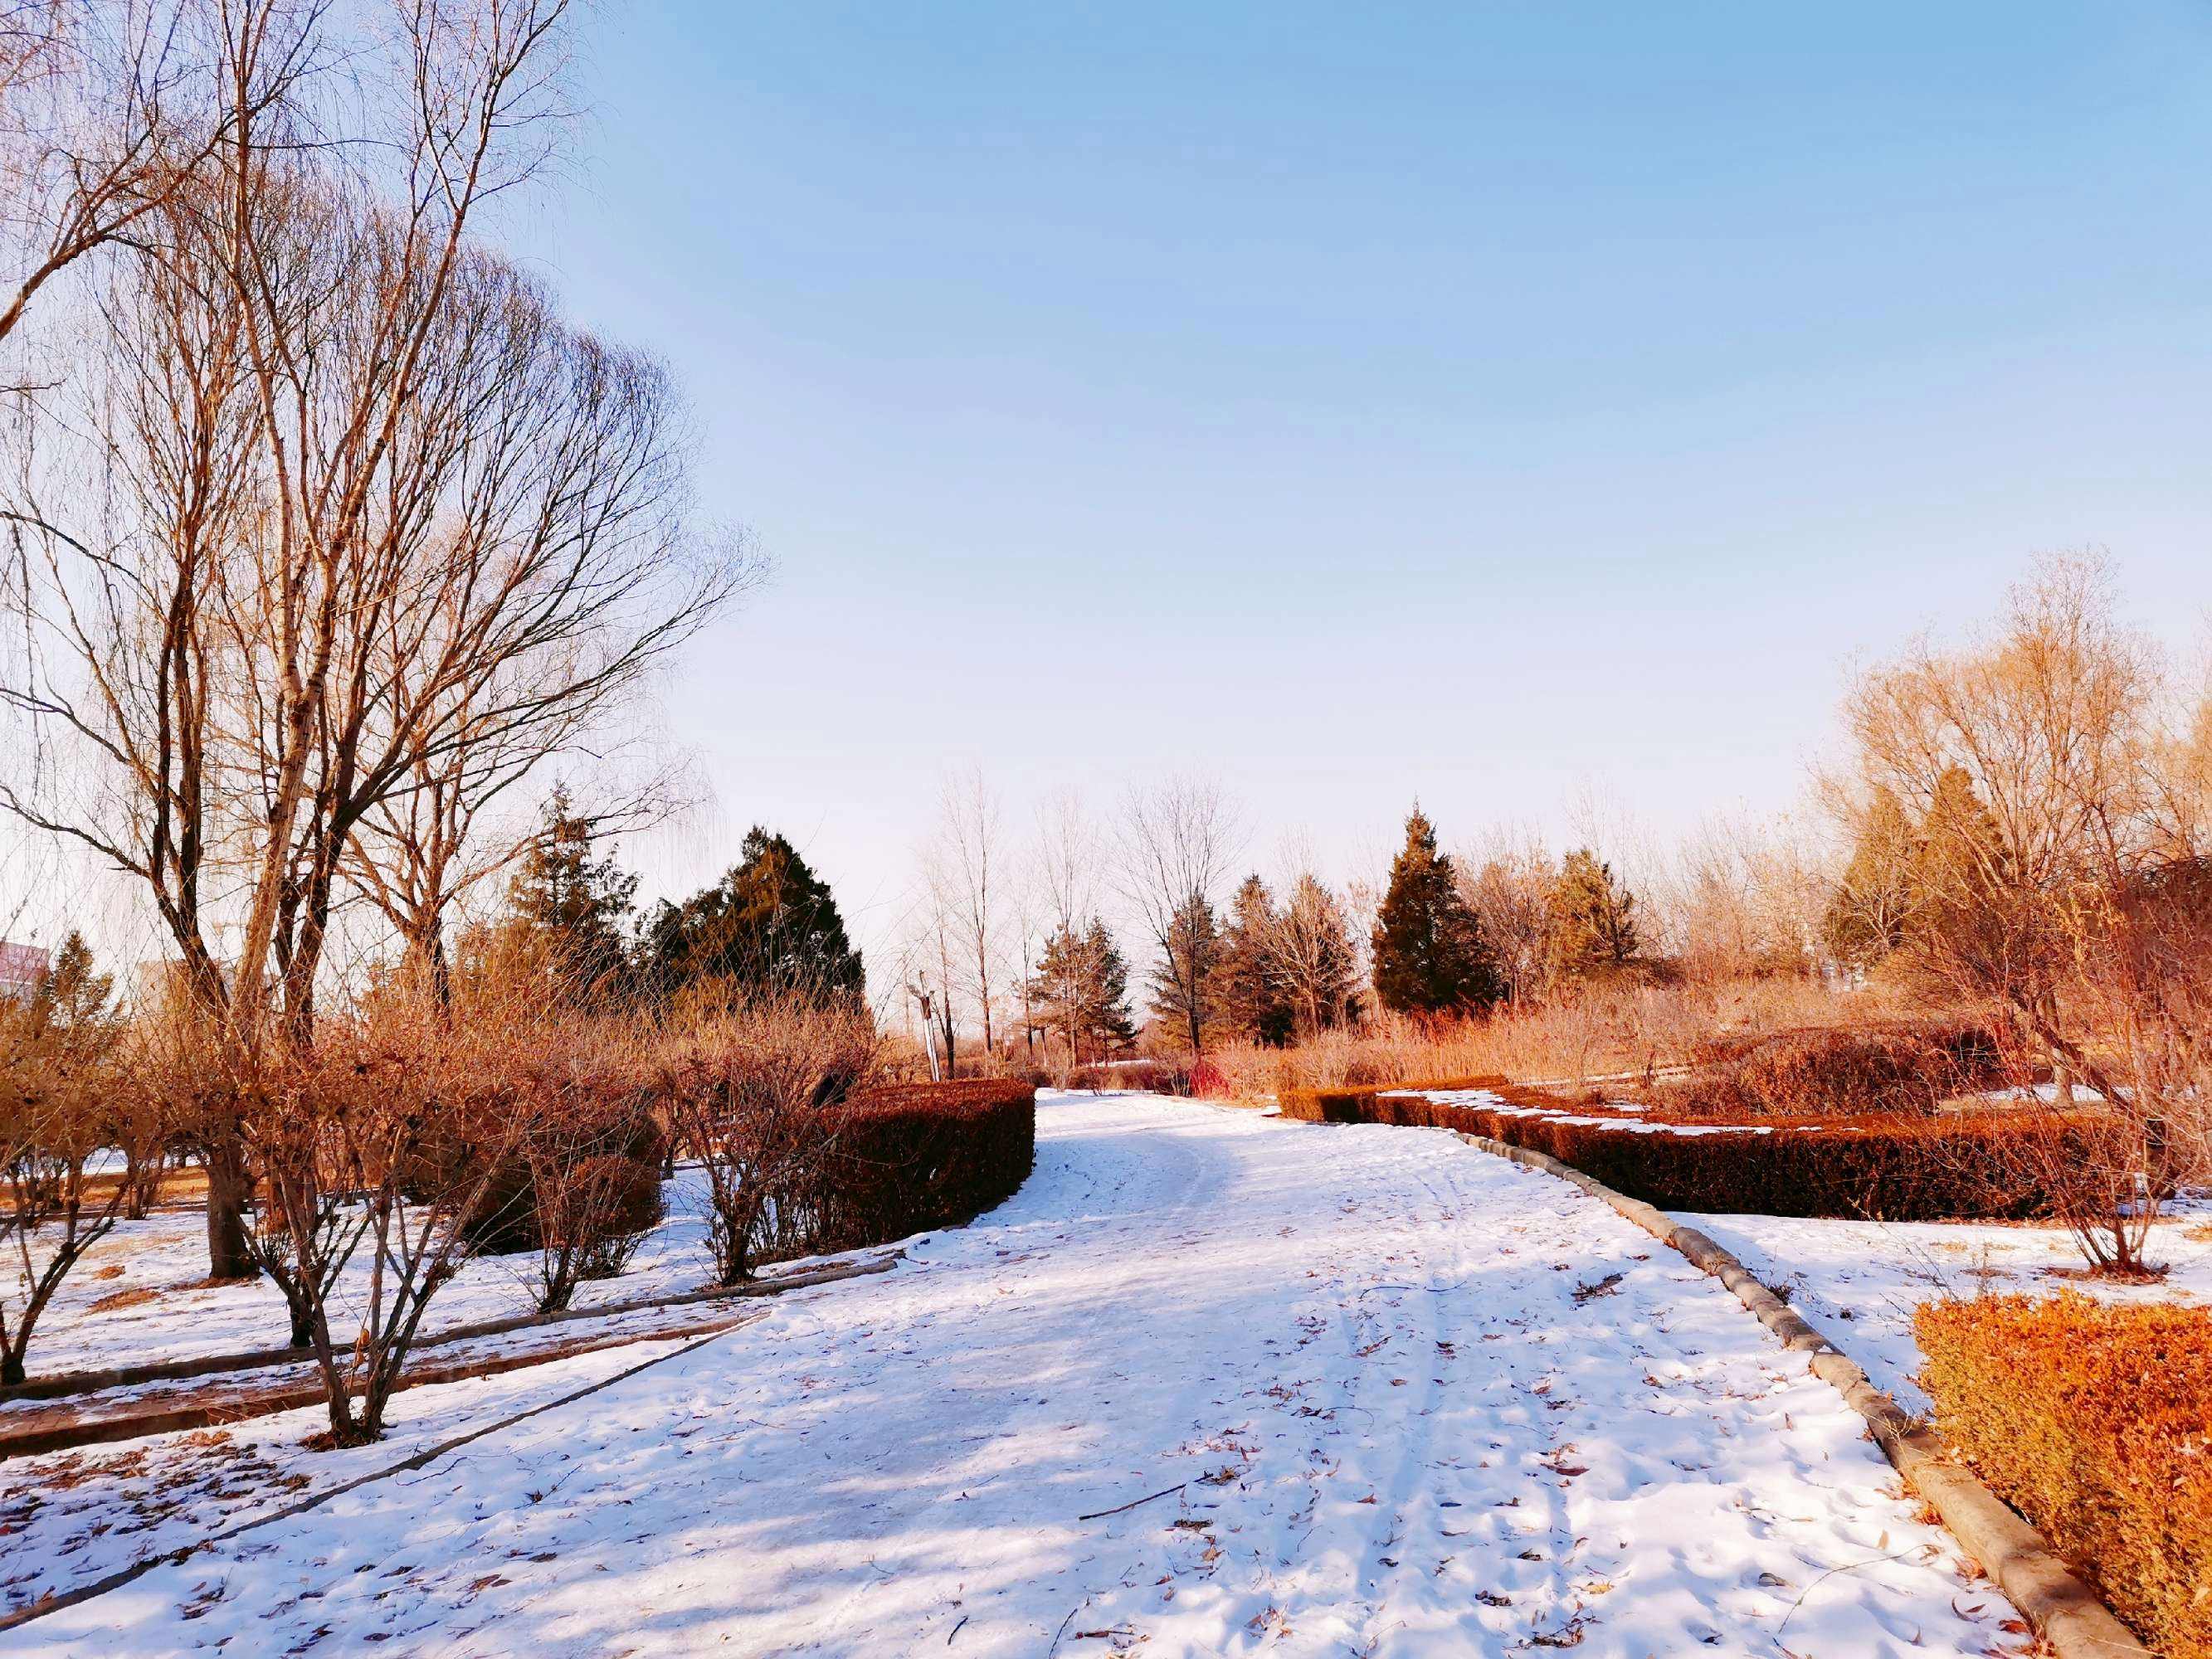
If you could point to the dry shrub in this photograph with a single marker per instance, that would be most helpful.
(806, 1151)
(2095, 1422)
(1150, 1077)
(1893, 1066)
(64, 1098)
(1895, 1168)
(1599, 1032)
(756, 1093)
(590, 1183)
(347, 1140)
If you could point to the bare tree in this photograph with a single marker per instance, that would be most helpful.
(1176, 842)
(1745, 901)
(1508, 885)
(1310, 946)
(963, 867)
(111, 113)
(387, 529)
(2054, 879)
(1065, 860)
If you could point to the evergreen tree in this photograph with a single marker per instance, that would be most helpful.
(1593, 918)
(1249, 999)
(1962, 880)
(571, 906)
(1867, 915)
(1430, 957)
(1081, 990)
(770, 926)
(1181, 983)
(73, 996)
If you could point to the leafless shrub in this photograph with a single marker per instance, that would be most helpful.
(352, 1141)
(58, 1084)
(755, 1096)
(593, 1158)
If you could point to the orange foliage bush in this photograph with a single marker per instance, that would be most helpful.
(2095, 1422)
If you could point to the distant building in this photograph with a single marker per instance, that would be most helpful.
(23, 968)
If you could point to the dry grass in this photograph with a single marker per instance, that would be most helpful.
(1628, 1030)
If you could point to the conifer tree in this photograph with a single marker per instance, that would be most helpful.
(1963, 915)
(1081, 990)
(770, 926)
(1182, 981)
(73, 995)
(1430, 957)
(573, 906)
(1867, 915)
(1249, 998)
(1593, 918)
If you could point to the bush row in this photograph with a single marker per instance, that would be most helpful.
(2095, 1422)
(890, 1160)
(1200, 1079)
(1894, 1168)
(910, 1157)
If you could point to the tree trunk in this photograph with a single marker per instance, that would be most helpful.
(228, 1257)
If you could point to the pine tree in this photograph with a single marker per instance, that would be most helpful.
(72, 996)
(1181, 983)
(770, 926)
(1430, 957)
(573, 906)
(1593, 918)
(1248, 1000)
(1867, 916)
(1081, 990)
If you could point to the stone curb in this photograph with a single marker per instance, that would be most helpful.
(2064, 1610)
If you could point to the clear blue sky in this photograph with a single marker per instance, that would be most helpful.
(1479, 401)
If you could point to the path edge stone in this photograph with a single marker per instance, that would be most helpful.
(2064, 1609)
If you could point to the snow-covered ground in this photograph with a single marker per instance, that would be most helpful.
(1210, 1383)
(1858, 1282)
(140, 1296)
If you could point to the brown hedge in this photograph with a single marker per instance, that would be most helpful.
(1893, 1168)
(907, 1157)
(2095, 1423)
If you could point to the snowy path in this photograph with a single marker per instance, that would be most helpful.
(1417, 1402)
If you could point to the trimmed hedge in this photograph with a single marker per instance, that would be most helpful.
(910, 1157)
(2095, 1423)
(1891, 1168)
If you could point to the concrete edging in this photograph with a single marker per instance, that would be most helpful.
(2064, 1609)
